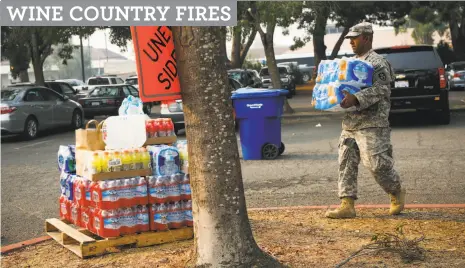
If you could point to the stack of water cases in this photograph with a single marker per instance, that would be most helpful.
(169, 187)
(339, 75)
(127, 205)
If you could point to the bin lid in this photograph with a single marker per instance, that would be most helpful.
(247, 93)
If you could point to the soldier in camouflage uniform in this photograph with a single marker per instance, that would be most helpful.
(366, 132)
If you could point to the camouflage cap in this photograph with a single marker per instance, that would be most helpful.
(359, 29)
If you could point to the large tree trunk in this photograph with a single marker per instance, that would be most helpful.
(37, 62)
(223, 236)
(23, 76)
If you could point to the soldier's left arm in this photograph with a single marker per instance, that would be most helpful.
(380, 88)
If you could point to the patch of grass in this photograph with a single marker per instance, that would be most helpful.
(409, 249)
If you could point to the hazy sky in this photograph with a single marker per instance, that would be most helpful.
(97, 40)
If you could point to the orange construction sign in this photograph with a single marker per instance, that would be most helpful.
(156, 63)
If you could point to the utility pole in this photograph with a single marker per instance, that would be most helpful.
(82, 59)
(106, 48)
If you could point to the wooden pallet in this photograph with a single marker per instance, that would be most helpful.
(85, 244)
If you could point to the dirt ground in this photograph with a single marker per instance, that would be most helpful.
(298, 238)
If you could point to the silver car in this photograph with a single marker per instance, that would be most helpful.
(456, 75)
(29, 109)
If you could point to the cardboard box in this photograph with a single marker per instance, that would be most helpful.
(83, 169)
(160, 140)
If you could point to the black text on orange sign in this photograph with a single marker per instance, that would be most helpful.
(156, 47)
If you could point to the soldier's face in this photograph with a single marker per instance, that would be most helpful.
(358, 44)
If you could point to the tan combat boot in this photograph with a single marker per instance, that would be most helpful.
(397, 202)
(345, 211)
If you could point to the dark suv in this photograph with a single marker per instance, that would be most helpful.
(420, 79)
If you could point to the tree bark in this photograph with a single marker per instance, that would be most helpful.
(239, 50)
(23, 76)
(223, 236)
(267, 40)
(236, 47)
(37, 62)
(271, 60)
(246, 47)
(319, 51)
(319, 46)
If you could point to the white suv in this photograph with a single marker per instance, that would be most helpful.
(92, 82)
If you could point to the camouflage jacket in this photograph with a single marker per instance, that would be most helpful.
(375, 103)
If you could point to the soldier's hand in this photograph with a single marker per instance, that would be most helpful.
(349, 100)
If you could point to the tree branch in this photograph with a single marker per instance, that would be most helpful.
(339, 42)
(247, 45)
(256, 19)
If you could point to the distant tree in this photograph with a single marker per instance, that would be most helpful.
(16, 53)
(72, 67)
(242, 35)
(346, 14)
(119, 35)
(449, 12)
(423, 32)
(39, 42)
(253, 65)
(269, 15)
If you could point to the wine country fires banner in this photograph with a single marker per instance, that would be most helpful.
(156, 63)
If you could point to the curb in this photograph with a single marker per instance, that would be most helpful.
(16, 246)
(408, 206)
(317, 114)
(26, 243)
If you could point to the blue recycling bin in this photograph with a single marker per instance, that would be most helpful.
(258, 112)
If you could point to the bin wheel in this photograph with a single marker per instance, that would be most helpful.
(270, 151)
(281, 149)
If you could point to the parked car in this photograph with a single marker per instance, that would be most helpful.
(95, 81)
(287, 80)
(29, 109)
(456, 75)
(59, 87)
(305, 69)
(245, 77)
(77, 84)
(106, 99)
(133, 81)
(420, 79)
(174, 110)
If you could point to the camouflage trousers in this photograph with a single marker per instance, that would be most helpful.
(373, 147)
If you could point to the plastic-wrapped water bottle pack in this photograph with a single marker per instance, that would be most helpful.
(339, 75)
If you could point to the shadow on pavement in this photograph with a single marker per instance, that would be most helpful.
(415, 119)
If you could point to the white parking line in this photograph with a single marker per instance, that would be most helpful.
(33, 144)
